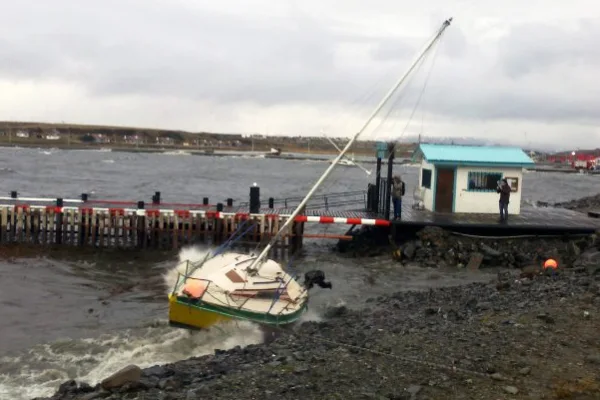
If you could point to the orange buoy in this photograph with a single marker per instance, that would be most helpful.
(550, 263)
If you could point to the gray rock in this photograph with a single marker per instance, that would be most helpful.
(488, 251)
(546, 318)
(510, 389)
(95, 395)
(414, 390)
(409, 250)
(168, 384)
(131, 373)
(593, 359)
(525, 370)
(497, 376)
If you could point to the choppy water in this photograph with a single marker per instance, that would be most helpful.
(85, 317)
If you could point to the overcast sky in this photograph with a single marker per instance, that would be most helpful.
(513, 70)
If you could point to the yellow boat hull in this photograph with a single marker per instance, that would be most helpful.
(191, 317)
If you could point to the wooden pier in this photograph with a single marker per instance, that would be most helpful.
(159, 225)
(170, 226)
(531, 221)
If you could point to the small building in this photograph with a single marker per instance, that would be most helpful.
(463, 179)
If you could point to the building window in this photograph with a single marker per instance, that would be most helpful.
(514, 184)
(426, 178)
(483, 181)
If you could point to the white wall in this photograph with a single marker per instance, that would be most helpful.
(485, 202)
(428, 193)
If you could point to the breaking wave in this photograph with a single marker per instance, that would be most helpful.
(40, 370)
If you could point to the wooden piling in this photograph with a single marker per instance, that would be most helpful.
(146, 229)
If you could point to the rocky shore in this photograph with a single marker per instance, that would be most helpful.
(524, 335)
(436, 247)
(583, 204)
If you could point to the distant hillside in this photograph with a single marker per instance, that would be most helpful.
(74, 135)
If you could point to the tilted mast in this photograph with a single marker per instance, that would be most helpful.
(328, 171)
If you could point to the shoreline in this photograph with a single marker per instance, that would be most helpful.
(299, 154)
(476, 340)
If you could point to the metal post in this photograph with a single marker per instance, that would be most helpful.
(389, 181)
(377, 200)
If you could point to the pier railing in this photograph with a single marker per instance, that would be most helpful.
(85, 221)
(356, 199)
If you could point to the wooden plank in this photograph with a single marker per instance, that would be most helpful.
(151, 221)
(132, 233)
(190, 232)
(226, 229)
(72, 227)
(262, 227)
(43, 226)
(94, 227)
(19, 225)
(109, 234)
(175, 232)
(4, 226)
(272, 233)
(161, 230)
(203, 229)
(169, 231)
(58, 224)
(11, 224)
(28, 223)
(51, 226)
(87, 221)
(65, 227)
(35, 227)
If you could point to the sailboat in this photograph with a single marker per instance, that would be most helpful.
(347, 161)
(231, 285)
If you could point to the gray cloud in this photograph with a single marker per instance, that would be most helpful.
(535, 48)
(175, 49)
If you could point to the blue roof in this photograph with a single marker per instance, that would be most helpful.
(474, 155)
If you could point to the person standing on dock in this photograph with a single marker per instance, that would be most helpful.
(397, 193)
(504, 190)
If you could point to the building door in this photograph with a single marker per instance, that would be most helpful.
(444, 190)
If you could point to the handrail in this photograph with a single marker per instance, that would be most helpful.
(326, 200)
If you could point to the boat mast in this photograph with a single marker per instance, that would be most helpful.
(328, 171)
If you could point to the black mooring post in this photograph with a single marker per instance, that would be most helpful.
(376, 200)
(254, 200)
(59, 220)
(388, 195)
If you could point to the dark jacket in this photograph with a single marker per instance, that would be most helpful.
(504, 191)
(397, 189)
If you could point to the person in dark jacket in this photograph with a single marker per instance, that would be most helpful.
(397, 193)
(504, 190)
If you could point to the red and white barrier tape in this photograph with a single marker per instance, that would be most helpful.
(204, 213)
